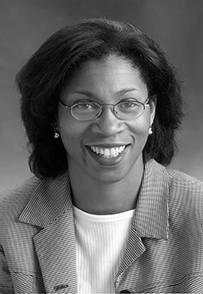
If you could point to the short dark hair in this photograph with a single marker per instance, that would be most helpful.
(48, 71)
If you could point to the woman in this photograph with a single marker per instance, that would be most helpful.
(102, 214)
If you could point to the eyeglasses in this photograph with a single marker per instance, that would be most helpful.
(124, 110)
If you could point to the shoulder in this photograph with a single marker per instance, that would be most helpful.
(174, 179)
(181, 182)
(185, 200)
(184, 193)
(12, 201)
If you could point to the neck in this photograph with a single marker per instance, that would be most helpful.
(97, 197)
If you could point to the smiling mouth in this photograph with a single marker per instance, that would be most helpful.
(105, 152)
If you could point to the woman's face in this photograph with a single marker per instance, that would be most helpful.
(106, 149)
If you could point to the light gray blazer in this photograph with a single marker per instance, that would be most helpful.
(164, 252)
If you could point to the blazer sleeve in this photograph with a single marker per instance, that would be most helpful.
(6, 285)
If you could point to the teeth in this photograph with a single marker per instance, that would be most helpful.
(108, 152)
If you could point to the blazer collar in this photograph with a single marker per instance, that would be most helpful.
(49, 201)
(52, 198)
(151, 217)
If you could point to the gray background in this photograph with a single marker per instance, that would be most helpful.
(177, 25)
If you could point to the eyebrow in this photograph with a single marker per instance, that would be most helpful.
(124, 91)
(120, 92)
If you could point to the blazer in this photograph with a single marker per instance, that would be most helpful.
(164, 252)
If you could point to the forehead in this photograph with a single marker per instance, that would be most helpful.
(112, 73)
(112, 63)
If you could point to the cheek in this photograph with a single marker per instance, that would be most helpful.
(72, 132)
(69, 135)
(140, 127)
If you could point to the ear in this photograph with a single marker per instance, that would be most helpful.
(152, 110)
(55, 123)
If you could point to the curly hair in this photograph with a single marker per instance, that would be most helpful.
(49, 70)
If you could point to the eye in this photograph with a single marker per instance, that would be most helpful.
(129, 104)
(85, 105)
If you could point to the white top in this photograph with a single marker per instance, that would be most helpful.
(100, 244)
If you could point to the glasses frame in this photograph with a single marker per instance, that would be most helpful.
(146, 103)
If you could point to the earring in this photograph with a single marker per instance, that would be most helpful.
(56, 134)
(150, 130)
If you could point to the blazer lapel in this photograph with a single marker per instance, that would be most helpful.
(151, 220)
(56, 252)
(50, 208)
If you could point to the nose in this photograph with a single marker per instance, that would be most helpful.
(107, 123)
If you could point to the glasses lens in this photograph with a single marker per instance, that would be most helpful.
(85, 110)
(129, 109)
